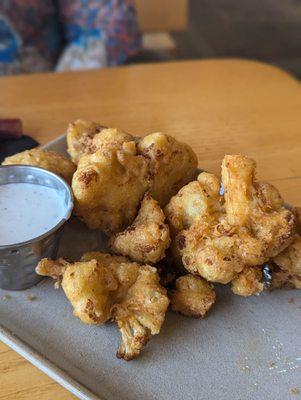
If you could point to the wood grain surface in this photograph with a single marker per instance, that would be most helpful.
(219, 107)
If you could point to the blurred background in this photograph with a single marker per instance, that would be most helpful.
(43, 35)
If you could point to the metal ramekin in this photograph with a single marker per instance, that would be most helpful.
(18, 261)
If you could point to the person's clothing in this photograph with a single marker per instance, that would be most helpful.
(39, 35)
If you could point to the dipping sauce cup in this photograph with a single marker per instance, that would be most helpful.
(18, 260)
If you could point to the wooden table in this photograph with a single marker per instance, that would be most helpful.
(219, 107)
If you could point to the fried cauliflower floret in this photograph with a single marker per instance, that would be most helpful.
(108, 188)
(200, 197)
(172, 164)
(53, 269)
(115, 170)
(251, 227)
(111, 139)
(267, 196)
(102, 287)
(147, 238)
(85, 137)
(140, 302)
(256, 205)
(197, 198)
(287, 266)
(124, 270)
(49, 160)
(87, 285)
(217, 251)
(192, 296)
(141, 313)
(248, 282)
(79, 137)
(237, 178)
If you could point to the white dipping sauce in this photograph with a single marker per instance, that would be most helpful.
(28, 211)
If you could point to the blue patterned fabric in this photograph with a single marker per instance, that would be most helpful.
(38, 35)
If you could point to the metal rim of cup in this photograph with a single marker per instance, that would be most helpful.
(60, 223)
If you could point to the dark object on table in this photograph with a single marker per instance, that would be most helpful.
(12, 140)
(11, 128)
(10, 147)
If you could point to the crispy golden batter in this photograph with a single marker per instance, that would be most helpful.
(108, 187)
(79, 137)
(141, 313)
(147, 238)
(114, 172)
(49, 160)
(251, 227)
(287, 266)
(108, 260)
(140, 302)
(192, 296)
(102, 287)
(217, 251)
(197, 198)
(124, 270)
(87, 285)
(267, 196)
(200, 197)
(237, 178)
(256, 205)
(54, 269)
(111, 139)
(248, 282)
(85, 137)
(172, 164)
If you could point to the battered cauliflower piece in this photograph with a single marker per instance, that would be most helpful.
(251, 226)
(87, 285)
(85, 137)
(108, 188)
(287, 266)
(110, 139)
(147, 238)
(124, 270)
(102, 287)
(197, 198)
(140, 302)
(53, 269)
(256, 205)
(217, 251)
(116, 169)
(141, 313)
(192, 296)
(79, 137)
(172, 165)
(49, 160)
(248, 282)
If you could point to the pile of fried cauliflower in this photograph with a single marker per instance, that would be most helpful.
(172, 233)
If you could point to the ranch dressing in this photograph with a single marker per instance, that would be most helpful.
(27, 211)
